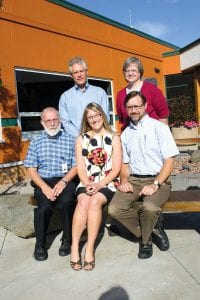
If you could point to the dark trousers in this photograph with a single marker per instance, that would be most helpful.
(65, 204)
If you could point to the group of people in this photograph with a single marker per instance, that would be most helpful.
(78, 164)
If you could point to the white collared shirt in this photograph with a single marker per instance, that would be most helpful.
(146, 146)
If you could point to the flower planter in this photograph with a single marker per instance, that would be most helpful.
(186, 139)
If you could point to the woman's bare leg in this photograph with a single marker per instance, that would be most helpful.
(79, 224)
(94, 223)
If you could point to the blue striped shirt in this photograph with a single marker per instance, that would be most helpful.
(48, 154)
(146, 146)
(73, 102)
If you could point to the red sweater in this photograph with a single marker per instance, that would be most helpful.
(157, 107)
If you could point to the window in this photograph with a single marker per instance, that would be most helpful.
(37, 90)
(179, 85)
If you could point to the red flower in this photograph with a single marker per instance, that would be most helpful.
(97, 157)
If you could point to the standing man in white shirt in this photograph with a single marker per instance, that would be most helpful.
(73, 102)
(148, 160)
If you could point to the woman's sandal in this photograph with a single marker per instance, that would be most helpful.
(76, 265)
(90, 264)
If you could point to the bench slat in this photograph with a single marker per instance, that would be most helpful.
(180, 201)
(186, 201)
(185, 206)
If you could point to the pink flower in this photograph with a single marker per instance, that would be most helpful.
(190, 124)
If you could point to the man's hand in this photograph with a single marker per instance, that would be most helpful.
(48, 192)
(46, 189)
(58, 188)
(149, 190)
(125, 187)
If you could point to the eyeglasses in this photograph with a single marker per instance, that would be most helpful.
(131, 71)
(50, 121)
(94, 117)
(135, 107)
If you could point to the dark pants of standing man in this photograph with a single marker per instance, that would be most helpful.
(65, 203)
(139, 214)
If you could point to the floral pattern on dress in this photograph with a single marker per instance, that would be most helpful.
(97, 153)
(97, 157)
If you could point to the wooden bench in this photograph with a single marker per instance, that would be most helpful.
(180, 201)
(183, 201)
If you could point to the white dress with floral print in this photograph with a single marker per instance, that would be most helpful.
(97, 153)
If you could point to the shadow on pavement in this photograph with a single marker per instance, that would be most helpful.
(170, 221)
(115, 293)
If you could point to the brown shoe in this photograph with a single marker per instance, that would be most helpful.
(76, 265)
(89, 265)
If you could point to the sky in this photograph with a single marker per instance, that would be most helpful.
(174, 21)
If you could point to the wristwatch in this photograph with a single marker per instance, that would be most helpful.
(65, 181)
(156, 182)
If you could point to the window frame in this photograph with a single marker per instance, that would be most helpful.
(27, 135)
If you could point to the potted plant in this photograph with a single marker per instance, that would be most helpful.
(183, 120)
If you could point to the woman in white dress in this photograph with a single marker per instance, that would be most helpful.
(99, 156)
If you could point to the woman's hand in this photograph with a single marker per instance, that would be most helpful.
(90, 189)
(93, 187)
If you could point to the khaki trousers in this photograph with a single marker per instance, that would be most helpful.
(139, 214)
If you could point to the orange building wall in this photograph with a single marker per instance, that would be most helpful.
(44, 36)
(171, 65)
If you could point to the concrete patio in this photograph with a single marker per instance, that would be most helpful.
(119, 274)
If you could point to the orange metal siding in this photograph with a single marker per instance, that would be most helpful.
(171, 65)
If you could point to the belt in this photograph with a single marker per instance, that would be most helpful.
(142, 176)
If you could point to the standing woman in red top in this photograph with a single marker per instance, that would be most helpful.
(157, 107)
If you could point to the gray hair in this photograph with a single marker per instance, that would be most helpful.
(133, 60)
(77, 60)
(48, 109)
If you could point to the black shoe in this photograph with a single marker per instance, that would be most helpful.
(65, 248)
(112, 230)
(145, 251)
(159, 236)
(160, 239)
(40, 253)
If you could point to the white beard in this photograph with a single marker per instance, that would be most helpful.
(52, 131)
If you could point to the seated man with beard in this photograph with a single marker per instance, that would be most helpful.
(51, 165)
